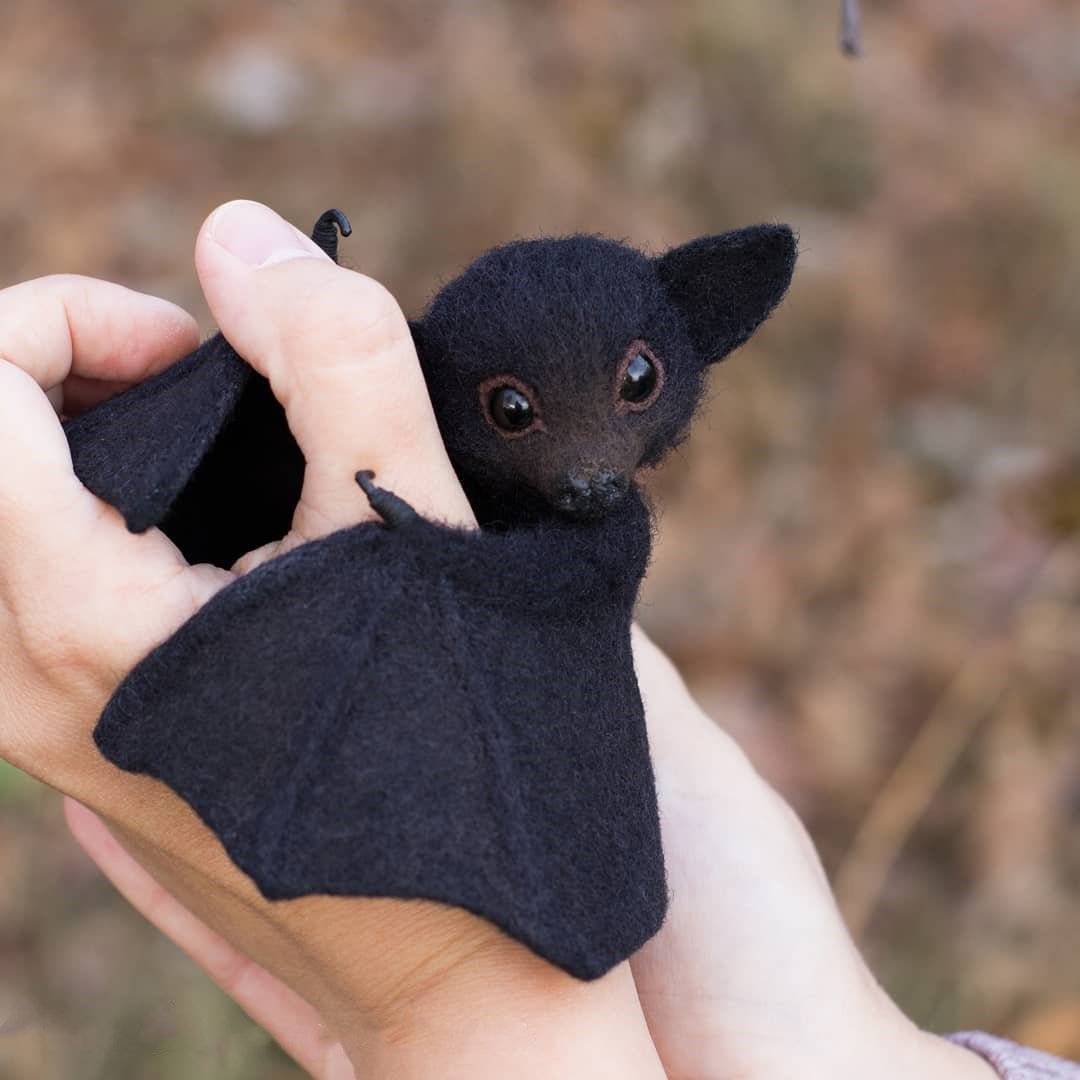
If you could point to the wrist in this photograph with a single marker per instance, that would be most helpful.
(902, 1050)
(507, 1013)
(939, 1059)
(878, 1042)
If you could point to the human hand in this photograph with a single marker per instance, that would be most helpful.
(290, 1020)
(68, 568)
(83, 601)
(754, 975)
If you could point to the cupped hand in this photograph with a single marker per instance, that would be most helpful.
(754, 974)
(83, 601)
(288, 1018)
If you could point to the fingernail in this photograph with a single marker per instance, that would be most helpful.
(257, 236)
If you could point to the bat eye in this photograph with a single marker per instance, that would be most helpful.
(639, 380)
(509, 406)
(511, 409)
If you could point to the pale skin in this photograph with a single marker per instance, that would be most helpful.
(753, 976)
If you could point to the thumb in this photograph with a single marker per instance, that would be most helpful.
(339, 356)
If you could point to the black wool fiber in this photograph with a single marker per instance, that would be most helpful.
(407, 709)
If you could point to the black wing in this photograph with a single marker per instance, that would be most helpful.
(368, 715)
(202, 450)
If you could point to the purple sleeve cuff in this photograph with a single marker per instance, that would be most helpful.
(1015, 1062)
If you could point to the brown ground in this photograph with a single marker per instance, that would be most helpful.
(869, 563)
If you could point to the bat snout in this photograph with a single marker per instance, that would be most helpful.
(587, 495)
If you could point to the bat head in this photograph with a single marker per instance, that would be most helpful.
(559, 368)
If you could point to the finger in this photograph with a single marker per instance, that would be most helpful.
(290, 1020)
(57, 327)
(50, 330)
(37, 477)
(52, 530)
(340, 358)
(87, 597)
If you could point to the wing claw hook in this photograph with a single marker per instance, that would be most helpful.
(326, 230)
(394, 511)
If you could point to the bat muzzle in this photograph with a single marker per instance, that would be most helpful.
(589, 496)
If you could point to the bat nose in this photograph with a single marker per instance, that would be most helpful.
(590, 494)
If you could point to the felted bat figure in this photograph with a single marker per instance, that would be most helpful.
(408, 709)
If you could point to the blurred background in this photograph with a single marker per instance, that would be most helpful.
(868, 564)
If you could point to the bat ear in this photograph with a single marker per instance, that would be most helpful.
(727, 286)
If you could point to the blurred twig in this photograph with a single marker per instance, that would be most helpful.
(977, 688)
(850, 28)
(974, 693)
